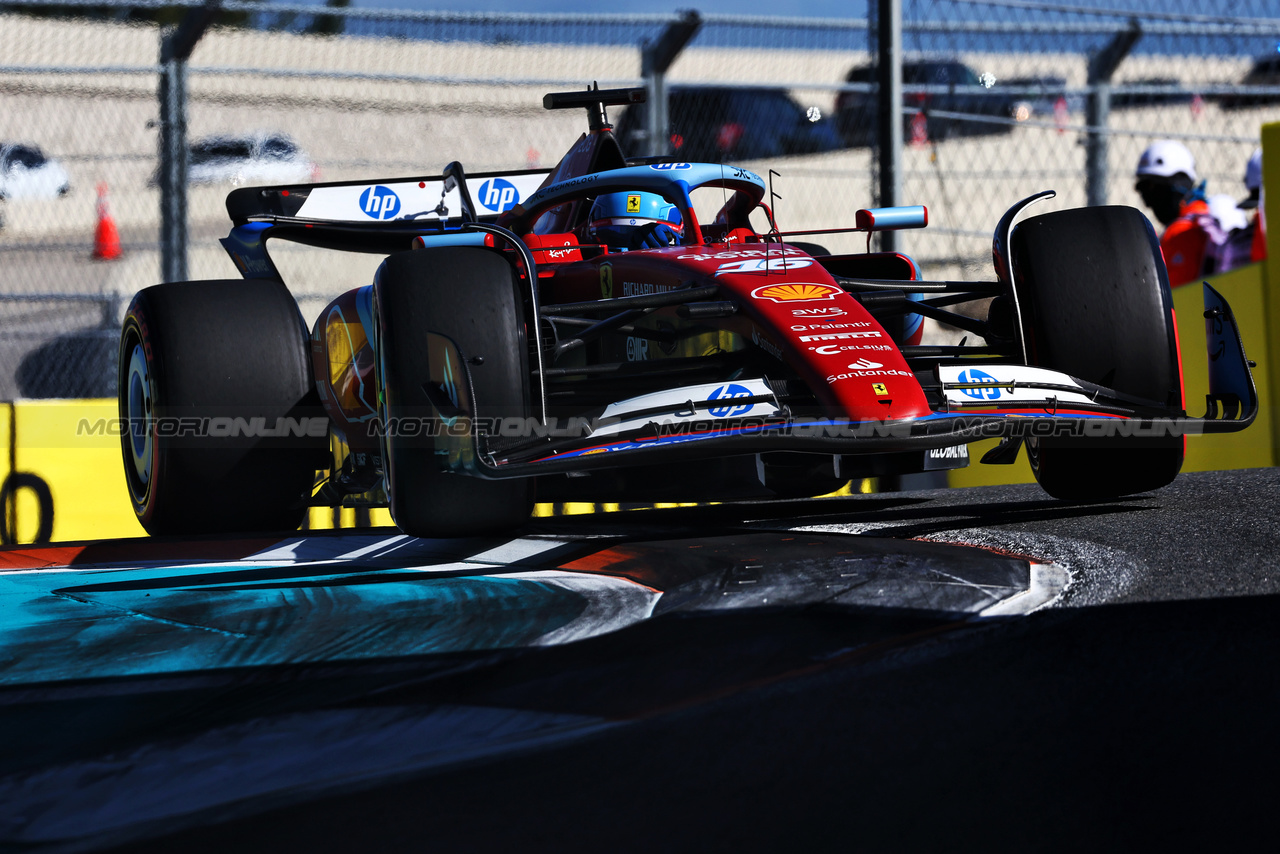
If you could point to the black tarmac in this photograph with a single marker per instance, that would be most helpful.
(1138, 711)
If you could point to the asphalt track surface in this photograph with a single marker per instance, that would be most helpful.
(1138, 710)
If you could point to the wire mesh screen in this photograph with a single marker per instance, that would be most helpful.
(995, 98)
(1181, 79)
(393, 98)
(76, 97)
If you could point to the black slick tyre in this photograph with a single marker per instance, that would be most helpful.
(1096, 304)
(218, 408)
(470, 296)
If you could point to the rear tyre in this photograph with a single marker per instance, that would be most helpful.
(1096, 305)
(206, 368)
(815, 249)
(469, 295)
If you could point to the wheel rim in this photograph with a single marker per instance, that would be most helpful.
(138, 414)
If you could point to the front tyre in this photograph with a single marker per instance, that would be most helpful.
(471, 297)
(1096, 305)
(218, 408)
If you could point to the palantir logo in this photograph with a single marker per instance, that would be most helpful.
(497, 195)
(729, 392)
(973, 375)
(380, 202)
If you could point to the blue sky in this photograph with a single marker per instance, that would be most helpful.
(799, 8)
(805, 8)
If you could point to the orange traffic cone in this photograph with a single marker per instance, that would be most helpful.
(919, 130)
(106, 239)
(1061, 115)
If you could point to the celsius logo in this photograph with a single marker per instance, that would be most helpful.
(498, 195)
(728, 392)
(973, 375)
(379, 202)
(864, 365)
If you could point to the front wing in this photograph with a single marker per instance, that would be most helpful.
(980, 400)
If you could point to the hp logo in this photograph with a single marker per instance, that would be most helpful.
(728, 392)
(973, 375)
(379, 203)
(497, 195)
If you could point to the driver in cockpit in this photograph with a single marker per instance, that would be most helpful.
(634, 220)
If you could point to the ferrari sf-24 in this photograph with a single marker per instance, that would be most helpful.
(579, 334)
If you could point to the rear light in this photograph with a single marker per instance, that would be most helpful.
(728, 137)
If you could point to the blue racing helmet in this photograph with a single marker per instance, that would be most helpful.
(624, 221)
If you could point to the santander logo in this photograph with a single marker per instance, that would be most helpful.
(864, 365)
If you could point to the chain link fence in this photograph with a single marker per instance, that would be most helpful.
(995, 110)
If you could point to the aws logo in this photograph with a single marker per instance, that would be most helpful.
(379, 202)
(497, 195)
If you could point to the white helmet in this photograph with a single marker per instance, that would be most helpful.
(1167, 158)
(1253, 171)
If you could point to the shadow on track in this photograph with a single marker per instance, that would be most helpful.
(916, 515)
(1127, 727)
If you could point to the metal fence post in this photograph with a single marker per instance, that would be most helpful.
(655, 58)
(173, 170)
(1102, 66)
(176, 45)
(889, 109)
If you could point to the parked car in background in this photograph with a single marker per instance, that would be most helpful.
(967, 92)
(26, 173)
(1037, 97)
(717, 122)
(1265, 72)
(263, 157)
(1163, 92)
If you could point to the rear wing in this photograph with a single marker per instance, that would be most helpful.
(389, 202)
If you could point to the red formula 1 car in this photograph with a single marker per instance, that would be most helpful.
(581, 334)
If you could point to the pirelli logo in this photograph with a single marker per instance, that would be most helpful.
(838, 336)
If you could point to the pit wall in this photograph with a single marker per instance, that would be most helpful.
(1254, 294)
(61, 466)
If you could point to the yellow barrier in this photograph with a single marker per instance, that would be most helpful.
(68, 468)
(1269, 393)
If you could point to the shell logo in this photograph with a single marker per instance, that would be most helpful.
(795, 292)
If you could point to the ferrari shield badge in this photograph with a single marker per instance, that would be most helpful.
(606, 281)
